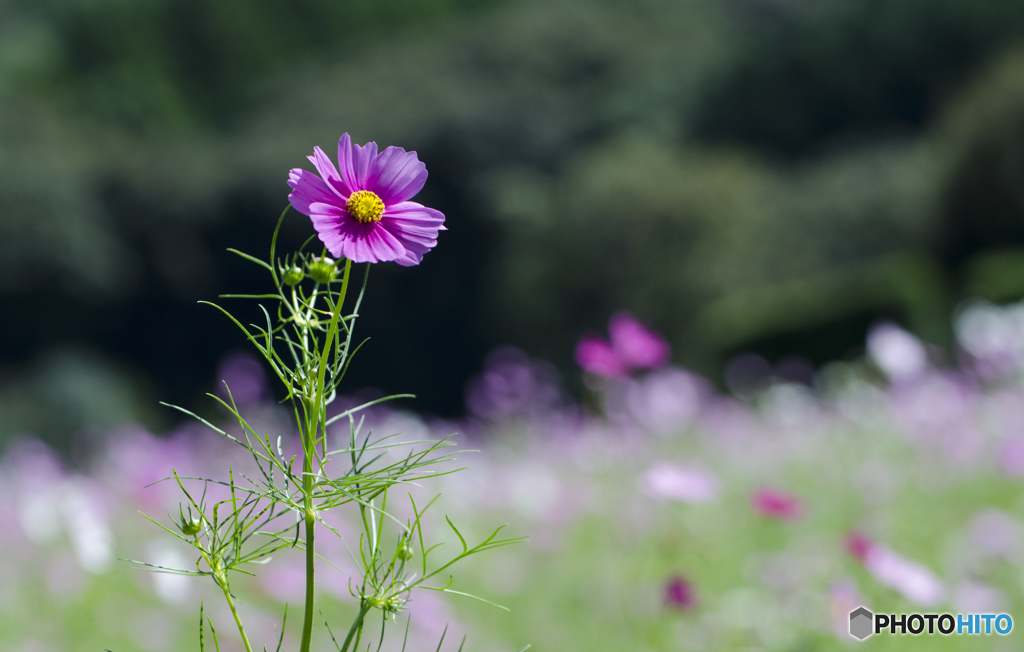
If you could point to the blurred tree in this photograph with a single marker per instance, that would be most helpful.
(742, 174)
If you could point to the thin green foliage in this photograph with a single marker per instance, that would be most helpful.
(306, 338)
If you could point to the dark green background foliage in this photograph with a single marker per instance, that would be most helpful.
(744, 175)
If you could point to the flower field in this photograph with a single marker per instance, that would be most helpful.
(663, 514)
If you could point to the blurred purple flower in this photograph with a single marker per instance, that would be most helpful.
(513, 385)
(363, 212)
(244, 377)
(975, 597)
(664, 480)
(633, 347)
(772, 503)
(679, 593)
(995, 533)
(1011, 456)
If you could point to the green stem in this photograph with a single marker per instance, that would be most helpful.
(307, 623)
(357, 625)
(319, 415)
(234, 612)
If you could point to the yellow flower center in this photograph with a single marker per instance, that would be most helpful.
(365, 206)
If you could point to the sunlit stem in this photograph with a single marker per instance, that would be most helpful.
(316, 415)
(357, 624)
(234, 612)
(222, 581)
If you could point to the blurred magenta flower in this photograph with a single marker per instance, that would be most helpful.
(776, 504)
(633, 347)
(858, 545)
(636, 345)
(596, 355)
(679, 593)
(363, 212)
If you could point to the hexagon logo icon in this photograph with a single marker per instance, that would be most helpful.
(862, 623)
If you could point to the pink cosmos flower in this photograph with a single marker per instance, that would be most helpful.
(679, 593)
(776, 504)
(363, 213)
(633, 346)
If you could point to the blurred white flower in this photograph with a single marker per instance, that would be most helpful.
(896, 352)
(914, 581)
(994, 336)
(171, 588)
(91, 538)
(667, 481)
(666, 401)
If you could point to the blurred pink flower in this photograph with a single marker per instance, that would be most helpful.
(772, 503)
(915, 582)
(679, 593)
(596, 355)
(636, 345)
(633, 347)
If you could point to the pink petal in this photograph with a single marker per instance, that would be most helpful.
(397, 175)
(307, 189)
(345, 164)
(369, 243)
(636, 345)
(328, 220)
(362, 164)
(415, 226)
(329, 173)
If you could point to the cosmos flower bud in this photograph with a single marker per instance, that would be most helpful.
(189, 526)
(322, 269)
(293, 276)
(405, 552)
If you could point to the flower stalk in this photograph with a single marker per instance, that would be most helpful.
(306, 342)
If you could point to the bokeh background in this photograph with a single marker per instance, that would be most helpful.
(761, 181)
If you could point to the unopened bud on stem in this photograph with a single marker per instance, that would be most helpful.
(322, 269)
(293, 276)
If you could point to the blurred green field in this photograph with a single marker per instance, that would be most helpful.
(668, 481)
